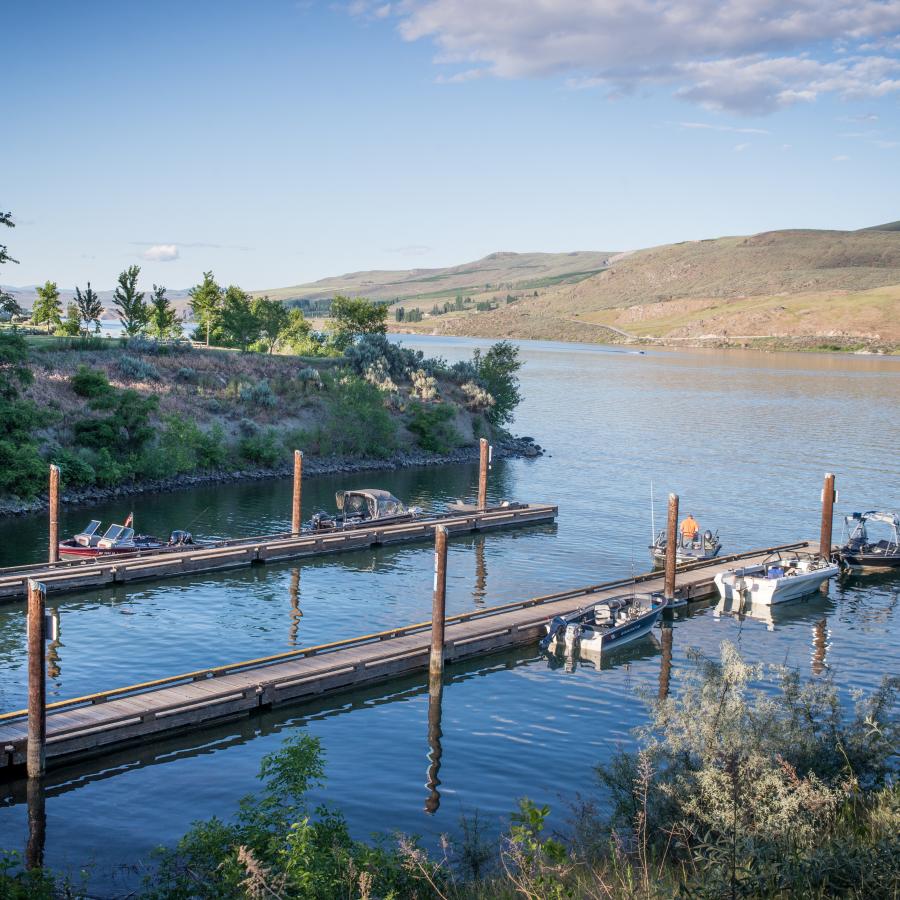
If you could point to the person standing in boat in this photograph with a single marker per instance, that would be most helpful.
(690, 528)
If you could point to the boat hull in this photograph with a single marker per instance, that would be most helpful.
(871, 560)
(75, 550)
(768, 591)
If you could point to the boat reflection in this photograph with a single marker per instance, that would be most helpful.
(582, 658)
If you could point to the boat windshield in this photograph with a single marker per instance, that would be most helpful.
(91, 528)
(118, 534)
(358, 505)
(390, 506)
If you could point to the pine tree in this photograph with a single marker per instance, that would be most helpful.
(133, 312)
(90, 308)
(47, 307)
(206, 304)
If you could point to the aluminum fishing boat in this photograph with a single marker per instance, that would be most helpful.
(606, 625)
(704, 546)
(118, 539)
(860, 552)
(780, 577)
(366, 506)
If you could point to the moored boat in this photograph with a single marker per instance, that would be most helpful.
(704, 546)
(860, 552)
(118, 539)
(605, 625)
(365, 506)
(780, 577)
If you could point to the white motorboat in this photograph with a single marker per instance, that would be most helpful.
(780, 577)
(605, 625)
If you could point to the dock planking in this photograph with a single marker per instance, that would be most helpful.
(77, 575)
(102, 723)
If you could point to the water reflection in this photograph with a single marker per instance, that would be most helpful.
(820, 646)
(665, 666)
(296, 612)
(435, 698)
(54, 662)
(37, 823)
(480, 591)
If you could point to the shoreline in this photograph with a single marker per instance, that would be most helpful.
(508, 448)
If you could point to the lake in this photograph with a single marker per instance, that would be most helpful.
(743, 438)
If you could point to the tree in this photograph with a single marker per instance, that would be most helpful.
(8, 303)
(47, 307)
(353, 316)
(297, 334)
(162, 320)
(497, 370)
(206, 305)
(90, 308)
(271, 317)
(239, 324)
(72, 326)
(399, 313)
(133, 312)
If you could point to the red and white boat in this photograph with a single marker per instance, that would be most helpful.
(118, 539)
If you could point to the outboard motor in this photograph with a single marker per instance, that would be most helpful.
(557, 623)
(180, 538)
(320, 521)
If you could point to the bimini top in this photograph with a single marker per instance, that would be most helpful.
(372, 502)
(874, 515)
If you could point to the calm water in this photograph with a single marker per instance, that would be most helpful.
(743, 438)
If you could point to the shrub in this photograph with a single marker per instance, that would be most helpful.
(433, 427)
(261, 447)
(22, 471)
(135, 369)
(424, 386)
(126, 430)
(90, 383)
(187, 375)
(357, 424)
(477, 398)
(259, 394)
(75, 469)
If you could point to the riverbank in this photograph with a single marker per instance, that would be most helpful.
(506, 448)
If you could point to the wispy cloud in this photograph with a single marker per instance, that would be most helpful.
(160, 253)
(747, 56)
(708, 126)
(740, 148)
(840, 158)
(410, 250)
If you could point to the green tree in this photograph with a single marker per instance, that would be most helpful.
(297, 334)
(206, 305)
(72, 326)
(90, 308)
(239, 325)
(133, 311)
(8, 303)
(162, 321)
(353, 316)
(271, 317)
(399, 313)
(47, 307)
(497, 371)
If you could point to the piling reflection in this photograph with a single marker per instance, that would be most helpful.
(435, 698)
(296, 612)
(37, 823)
(665, 666)
(54, 663)
(480, 591)
(820, 646)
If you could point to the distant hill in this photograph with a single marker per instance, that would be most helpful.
(787, 284)
(888, 226)
(496, 272)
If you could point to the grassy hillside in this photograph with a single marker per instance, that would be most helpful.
(824, 288)
(498, 271)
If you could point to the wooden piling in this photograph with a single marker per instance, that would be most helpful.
(37, 699)
(671, 547)
(54, 514)
(298, 487)
(37, 823)
(828, 498)
(483, 473)
(438, 605)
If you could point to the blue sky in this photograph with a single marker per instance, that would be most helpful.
(277, 142)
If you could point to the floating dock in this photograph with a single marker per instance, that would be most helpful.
(77, 575)
(101, 723)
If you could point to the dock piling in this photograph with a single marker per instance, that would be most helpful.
(298, 487)
(54, 514)
(37, 698)
(483, 462)
(439, 603)
(671, 547)
(828, 498)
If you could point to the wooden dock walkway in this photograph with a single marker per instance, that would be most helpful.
(77, 575)
(100, 723)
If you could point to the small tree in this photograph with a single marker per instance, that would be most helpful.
(497, 371)
(8, 303)
(206, 305)
(297, 334)
(47, 307)
(72, 326)
(162, 320)
(353, 316)
(133, 312)
(90, 308)
(239, 325)
(271, 317)
(399, 312)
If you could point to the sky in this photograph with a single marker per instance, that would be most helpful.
(276, 142)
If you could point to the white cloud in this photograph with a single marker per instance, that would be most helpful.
(710, 127)
(411, 250)
(746, 56)
(740, 148)
(840, 158)
(160, 253)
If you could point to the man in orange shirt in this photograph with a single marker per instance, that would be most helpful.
(690, 528)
